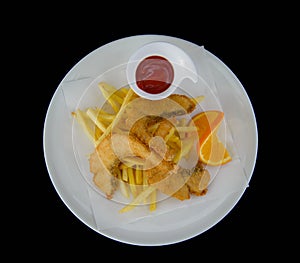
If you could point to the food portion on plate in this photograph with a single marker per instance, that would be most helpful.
(145, 147)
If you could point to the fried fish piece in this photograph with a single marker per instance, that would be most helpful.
(198, 182)
(106, 183)
(180, 182)
(104, 161)
(141, 129)
(102, 178)
(108, 155)
(163, 128)
(184, 101)
(162, 131)
(197, 179)
(115, 147)
(174, 105)
(168, 180)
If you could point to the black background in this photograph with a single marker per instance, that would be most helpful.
(51, 43)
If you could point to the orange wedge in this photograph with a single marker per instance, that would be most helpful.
(211, 150)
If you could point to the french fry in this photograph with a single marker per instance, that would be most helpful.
(170, 134)
(153, 128)
(198, 99)
(122, 92)
(110, 91)
(111, 101)
(124, 174)
(98, 133)
(93, 114)
(123, 166)
(145, 180)
(186, 129)
(123, 185)
(177, 157)
(186, 147)
(108, 87)
(152, 205)
(138, 175)
(131, 181)
(138, 199)
(117, 98)
(175, 140)
(104, 116)
(118, 115)
(86, 123)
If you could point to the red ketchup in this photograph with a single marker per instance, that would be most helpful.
(154, 74)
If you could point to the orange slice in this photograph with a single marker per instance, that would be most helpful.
(211, 150)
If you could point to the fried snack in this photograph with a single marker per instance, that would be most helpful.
(138, 152)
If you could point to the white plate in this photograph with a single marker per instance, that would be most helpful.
(163, 229)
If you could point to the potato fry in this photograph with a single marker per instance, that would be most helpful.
(105, 116)
(175, 140)
(138, 199)
(86, 123)
(122, 92)
(124, 174)
(123, 185)
(98, 133)
(152, 206)
(177, 157)
(138, 175)
(93, 114)
(198, 99)
(153, 128)
(145, 180)
(108, 87)
(187, 146)
(186, 129)
(131, 181)
(170, 134)
(118, 115)
(111, 101)
(117, 98)
(110, 91)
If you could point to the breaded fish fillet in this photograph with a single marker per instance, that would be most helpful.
(108, 155)
(115, 147)
(102, 178)
(169, 182)
(174, 105)
(185, 102)
(180, 182)
(198, 181)
(141, 130)
(105, 159)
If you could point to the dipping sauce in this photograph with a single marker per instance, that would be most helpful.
(154, 74)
